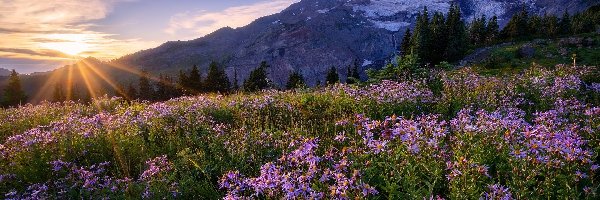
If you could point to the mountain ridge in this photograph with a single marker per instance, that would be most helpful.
(310, 36)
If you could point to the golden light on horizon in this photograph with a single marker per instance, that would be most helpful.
(72, 44)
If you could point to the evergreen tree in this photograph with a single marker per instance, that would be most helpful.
(120, 91)
(535, 27)
(439, 38)
(132, 92)
(217, 80)
(194, 81)
(581, 23)
(183, 83)
(258, 78)
(478, 32)
(421, 39)
(162, 88)
(295, 81)
(353, 76)
(457, 36)
(236, 86)
(146, 91)
(405, 45)
(332, 76)
(550, 26)
(565, 24)
(518, 26)
(492, 31)
(58, 95)
(13, 92)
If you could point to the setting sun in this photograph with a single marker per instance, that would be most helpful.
(72, 44)
(71, 48)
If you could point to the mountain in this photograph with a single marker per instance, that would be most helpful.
(4, 72)
(312, 35)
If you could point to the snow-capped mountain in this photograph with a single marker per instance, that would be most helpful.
(312, 35)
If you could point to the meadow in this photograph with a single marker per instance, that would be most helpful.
(456, 134)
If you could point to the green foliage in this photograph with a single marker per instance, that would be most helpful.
(13, 92)
(217, 80)
(146, 91)
(332, 76)
(295, 80)
(405, 68)
(258, 79)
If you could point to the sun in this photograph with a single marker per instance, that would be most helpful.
(71, 48)
(72, 44)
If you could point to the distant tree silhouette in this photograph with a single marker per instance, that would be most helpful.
(146, 91)
(58, 95)
(565, 24)
(258, 78)
(478, 31)
(332, 76)
(353, 74)
(195, 80)
(439, 38)
(236, 85)
(295, 80)
(132, 93)
(492, 31)
(550, 26)
(217, 80)
(405, 45)
(457, 36)
(13, 92)
(165, 88)
(421, 38)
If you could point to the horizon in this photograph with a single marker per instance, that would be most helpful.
(43, 36)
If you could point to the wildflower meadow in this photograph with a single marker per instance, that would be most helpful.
(455, 134)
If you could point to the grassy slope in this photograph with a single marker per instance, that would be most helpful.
(548, 52)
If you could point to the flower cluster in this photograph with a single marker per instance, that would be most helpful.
(298, 174)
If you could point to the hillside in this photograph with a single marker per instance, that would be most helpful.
(545, 52)
(313, 35)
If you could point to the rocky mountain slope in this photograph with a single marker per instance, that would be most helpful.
(312, 35)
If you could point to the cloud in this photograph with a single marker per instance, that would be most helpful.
(48, 30)
(204, 22)
(42, 52)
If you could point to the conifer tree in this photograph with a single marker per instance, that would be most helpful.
(217, 80)
(236, 86)
(457, 36)
(421, 39)
(405, 45)
(492, 31)
(439, 38)
(13, 92)
(58, 95)
(353, 76)
(535, 27)
(195, 81)
(550, 26)
(332, 76)
(183, 83)
(295, 81)
(518, 26)
(478, 32)
(146, 91)
(132, 93)
(258, 78)
(565, 24)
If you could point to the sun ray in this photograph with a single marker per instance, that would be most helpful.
(105, 78)
(86, 79)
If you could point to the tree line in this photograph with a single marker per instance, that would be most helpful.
(448, 38)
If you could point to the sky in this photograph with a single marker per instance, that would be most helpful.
(41, 35)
